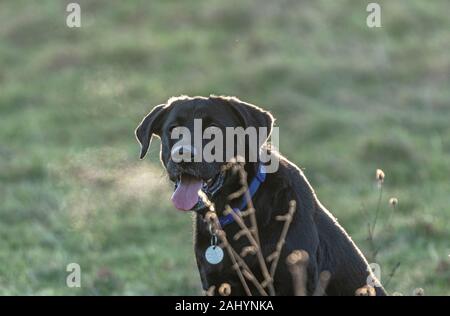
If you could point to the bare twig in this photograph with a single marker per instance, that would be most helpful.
(275, 256)
(221, 234)
(391, 275)
(249, 274)
(245, 231)
(373, 247)
(371, 228)
(324, 279)
(268, 281)
(210, 291)
(377, 212)
(297, 262)
(249, 250)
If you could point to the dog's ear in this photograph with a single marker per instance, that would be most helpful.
(251, 115)
(150, 125)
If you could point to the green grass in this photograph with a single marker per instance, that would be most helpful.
(348, 99)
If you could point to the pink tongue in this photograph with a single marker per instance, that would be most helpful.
(186, 195)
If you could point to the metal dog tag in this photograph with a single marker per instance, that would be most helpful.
(214, 254)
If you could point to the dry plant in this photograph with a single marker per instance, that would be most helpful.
(324, 279)
(225, 289)
(372, 226)
(248, 228)
(366, 290)
(296, 261)
(373, 247)
(418, 292)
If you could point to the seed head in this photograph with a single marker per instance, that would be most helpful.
(297, 257)
(361, 292)
(380, 175)
(225, 289)
(393, 201)
(210, 217)
(419, 292)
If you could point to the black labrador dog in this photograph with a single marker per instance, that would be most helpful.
(313, 228)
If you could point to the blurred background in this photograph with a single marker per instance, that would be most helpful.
(348, 99)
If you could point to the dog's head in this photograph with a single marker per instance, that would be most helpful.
(195, 141)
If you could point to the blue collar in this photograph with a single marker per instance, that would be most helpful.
(252, 188)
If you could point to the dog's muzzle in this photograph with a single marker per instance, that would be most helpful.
(208, 189)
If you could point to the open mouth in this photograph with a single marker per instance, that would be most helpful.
(185, 197)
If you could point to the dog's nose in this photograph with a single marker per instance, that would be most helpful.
(183, 153)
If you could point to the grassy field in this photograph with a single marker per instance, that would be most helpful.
(348, 99)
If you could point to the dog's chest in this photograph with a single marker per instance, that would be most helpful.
(224, 271)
